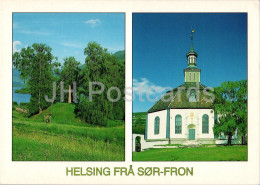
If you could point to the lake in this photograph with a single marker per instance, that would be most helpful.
(20, 97)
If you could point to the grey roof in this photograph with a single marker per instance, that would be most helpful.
(180, 99)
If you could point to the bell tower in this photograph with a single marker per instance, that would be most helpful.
(192, 73)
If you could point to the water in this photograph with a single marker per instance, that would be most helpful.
(25, 98)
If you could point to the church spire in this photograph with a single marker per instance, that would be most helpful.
(191, 35)
(192, 73)
(192, 55)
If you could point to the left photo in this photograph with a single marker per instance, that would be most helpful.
(68, 81)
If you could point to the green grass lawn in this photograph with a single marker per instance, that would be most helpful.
(222, 153)
(66, 138)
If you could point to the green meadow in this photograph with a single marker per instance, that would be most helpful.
(65, 138)
(221, 153)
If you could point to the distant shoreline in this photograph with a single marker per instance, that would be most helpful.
(23, 90)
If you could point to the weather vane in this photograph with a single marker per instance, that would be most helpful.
(192, 31)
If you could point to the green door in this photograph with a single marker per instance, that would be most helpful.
(191, 134)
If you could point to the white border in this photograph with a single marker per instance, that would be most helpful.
(54, 172)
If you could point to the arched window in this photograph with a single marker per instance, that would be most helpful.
(178, 124)
(192, 97)
(156, 125)
(205, 124)
(194, 76)
(190, 76)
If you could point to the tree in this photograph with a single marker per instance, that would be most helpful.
(241, 110)
(69, 73)
(231, 105)
(36, 63)
(22, 65)
(104, 68)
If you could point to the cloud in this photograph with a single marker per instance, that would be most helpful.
(34, 32)
(93, 22)
(71, 44)
(15, 25)
(147, 88)
(15, 46)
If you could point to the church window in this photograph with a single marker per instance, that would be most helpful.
(178, 124)
(205, 124)
(190, 76)
(192, 97)
(156, 125)
(194, 76)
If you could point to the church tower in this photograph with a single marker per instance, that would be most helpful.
(192, 73)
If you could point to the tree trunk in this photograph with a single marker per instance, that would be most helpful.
(40, 109)
(243, 140)
(229, 139)
(39, 90)
(69, 97)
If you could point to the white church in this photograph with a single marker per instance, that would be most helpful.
(185, 113)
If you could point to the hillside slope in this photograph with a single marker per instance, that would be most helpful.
(61, 113)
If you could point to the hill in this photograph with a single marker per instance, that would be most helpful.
(65, 138)
(120, 55)
(61, 113)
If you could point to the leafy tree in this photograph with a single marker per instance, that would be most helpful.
(231, 106)
(95, 53)
(69, 73)
(36, 63)
(140, 121)
(241, 110)
(22, 65)
(102, 67)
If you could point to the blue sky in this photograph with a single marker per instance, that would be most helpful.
(69, 33)
(162, 40)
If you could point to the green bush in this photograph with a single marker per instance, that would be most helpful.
(24, 104)
(138, 129)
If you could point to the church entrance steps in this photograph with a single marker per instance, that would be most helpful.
(165, 146)
(191, 143)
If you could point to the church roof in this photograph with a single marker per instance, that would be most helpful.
(179, 99)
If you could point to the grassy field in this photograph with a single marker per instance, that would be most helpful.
(66, 138)
(222, 153)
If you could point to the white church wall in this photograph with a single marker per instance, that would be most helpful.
(192, 116)
(162, 129)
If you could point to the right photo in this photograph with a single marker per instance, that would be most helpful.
(190, 87)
